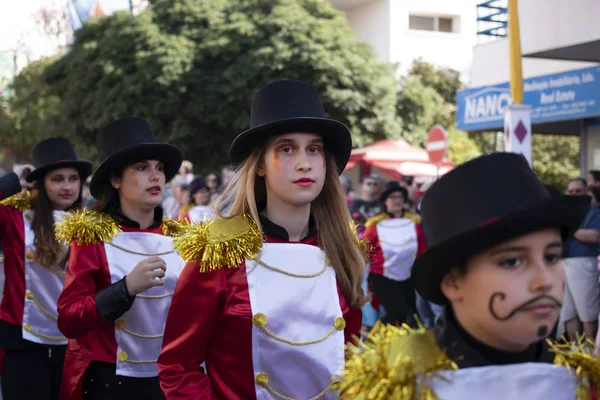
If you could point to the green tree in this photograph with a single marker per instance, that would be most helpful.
(25, 115)
(191, 68)
(556, 159)
(461, 147)
(445, 80)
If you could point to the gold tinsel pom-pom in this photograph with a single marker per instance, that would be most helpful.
(20, 201)
(86, 227)
(221, 243)
(171, 227)
(579, 357)
(394, 363)
(362, 244)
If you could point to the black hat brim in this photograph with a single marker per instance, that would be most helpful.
(336, 137)
(564, 212)
(84, 168)
(170, 155)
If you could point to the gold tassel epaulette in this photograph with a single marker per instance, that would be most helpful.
(86, 227)
(376, 219)
(580, 358)
(20, 201)
(394, 363)
(413, 217)
(363, 244)
(220, 243)
(171, 227)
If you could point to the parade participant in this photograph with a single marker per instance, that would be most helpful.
(34, 268)
(396, 240)
(122, 269)
(495, 239)
(269, 319)
(199, 198)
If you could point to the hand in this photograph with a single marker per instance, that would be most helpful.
(143, 276)
(22, 171)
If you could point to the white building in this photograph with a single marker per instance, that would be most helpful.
(560, 43)
(442, 32)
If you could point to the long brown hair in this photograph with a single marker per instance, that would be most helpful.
(246, 194)
(49, 253)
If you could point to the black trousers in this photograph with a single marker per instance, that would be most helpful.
(100, 382)
(32, 373)
(398, 298)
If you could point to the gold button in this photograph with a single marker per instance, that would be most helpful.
(259, 320)
(335, 386)
(262, 379)
(120, 323)
(122, 356)
(29, 255)
(30, 296)
(28, 217)
(339, 323)
(27, 327)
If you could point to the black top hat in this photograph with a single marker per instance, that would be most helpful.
(390, 188)
(289, 106)
(126, 141)
(480, 204)
(54, 153)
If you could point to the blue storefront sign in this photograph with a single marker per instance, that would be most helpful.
(556, 97)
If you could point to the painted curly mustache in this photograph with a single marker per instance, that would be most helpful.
(522, 307)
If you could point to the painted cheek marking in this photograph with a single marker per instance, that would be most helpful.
(275, 159)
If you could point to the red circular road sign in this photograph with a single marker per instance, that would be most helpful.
(436, 144)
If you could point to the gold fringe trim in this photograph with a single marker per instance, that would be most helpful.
(86, 227)
(579, 356)
(394, 363)
(20, 201)
(171, 227)
(413, 217)
(221, 243)
(376, 219)
(363, 244)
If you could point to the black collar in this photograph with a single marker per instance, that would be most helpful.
(121, 219)
(470, 352)
(276, 231)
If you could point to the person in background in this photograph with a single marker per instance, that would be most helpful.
(184, 199)
(347, 185)
(200, 198)
(397, 239)
(368, 205)
(593, 178)
(34, 267)
(577, 187)
(213, 182)
(582, 290)
(226, 174)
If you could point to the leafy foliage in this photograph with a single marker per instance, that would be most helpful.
(556, 159)
(192, 67)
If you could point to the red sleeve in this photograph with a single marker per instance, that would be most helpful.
(87, 273)
(353, 318)
(190, 325)
(376, 255)
(422, 244)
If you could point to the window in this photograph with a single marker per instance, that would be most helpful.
(419, 23)
(447, 24)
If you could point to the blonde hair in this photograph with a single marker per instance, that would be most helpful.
(246, 192)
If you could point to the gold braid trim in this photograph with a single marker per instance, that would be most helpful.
(171, 227)
(376, 219)
(579, 357)
(262, 379)
(20, 201)
(221, 243)
(28, 328)
(394, 363)
(363, 244)
(86, 227)
(31, 296)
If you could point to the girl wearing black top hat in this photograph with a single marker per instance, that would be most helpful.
(396, 240)
(34, 268)
(282, 285)
(495, 239)
(122, 269)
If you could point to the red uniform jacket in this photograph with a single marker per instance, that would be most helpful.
(92, 336)
(210, 321)
(376, 255)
